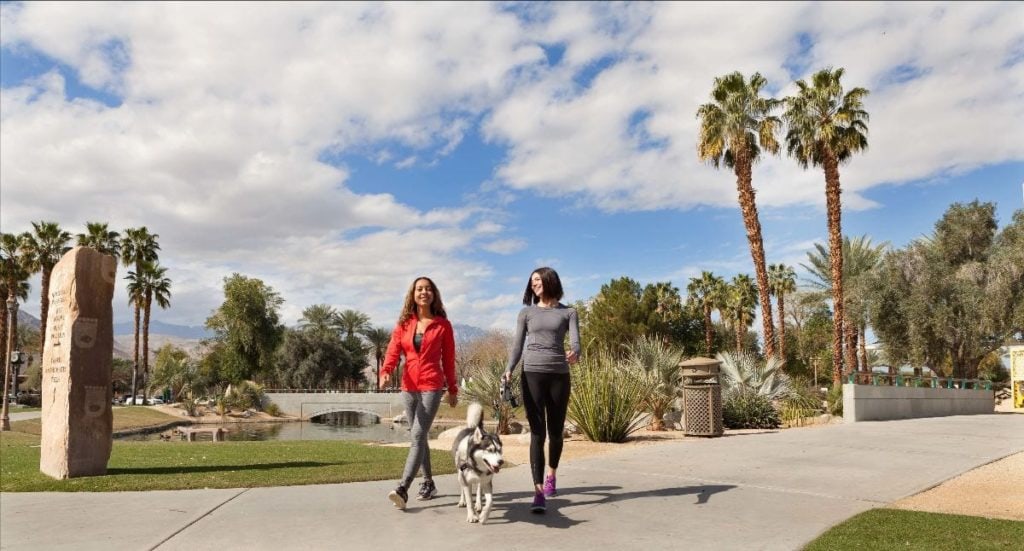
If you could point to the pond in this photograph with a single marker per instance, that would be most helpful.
(348, 425)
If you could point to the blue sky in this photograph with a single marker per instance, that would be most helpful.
(339, 150)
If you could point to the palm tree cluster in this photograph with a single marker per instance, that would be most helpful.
(325, 319)
(39, 250)
(825, 125)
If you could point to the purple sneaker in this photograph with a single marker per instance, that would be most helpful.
(538, 506)
(549, 487)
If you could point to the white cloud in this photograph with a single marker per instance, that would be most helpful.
(225, 111)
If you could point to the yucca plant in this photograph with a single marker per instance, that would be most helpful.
(657, 365)
(484, 386)
(743, 371)
(607, 401)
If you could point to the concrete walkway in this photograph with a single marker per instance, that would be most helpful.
(759, 491)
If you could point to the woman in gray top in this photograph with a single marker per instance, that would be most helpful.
(541, 327)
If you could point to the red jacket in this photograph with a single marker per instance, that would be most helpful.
(433, 367)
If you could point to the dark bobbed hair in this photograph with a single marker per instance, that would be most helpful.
(552, 286)
(409, 308)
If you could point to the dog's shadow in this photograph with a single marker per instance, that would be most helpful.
(510, 507)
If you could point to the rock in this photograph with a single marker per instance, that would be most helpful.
(400, 418)
(77, 418)
(449, 434)
(516, 428)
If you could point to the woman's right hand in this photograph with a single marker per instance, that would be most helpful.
(384, 378)
(506, 377)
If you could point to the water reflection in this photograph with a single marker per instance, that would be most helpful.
(348, 425)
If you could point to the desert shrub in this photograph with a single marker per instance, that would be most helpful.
(802, 402)
(657, 364)
(607, 401)
(483, 386)
(272, 409)
(834, 400)
(743, 371)
(746, 409)
(190, 405)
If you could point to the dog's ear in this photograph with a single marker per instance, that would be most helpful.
(478, 434)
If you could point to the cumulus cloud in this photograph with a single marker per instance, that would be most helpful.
(213, 121)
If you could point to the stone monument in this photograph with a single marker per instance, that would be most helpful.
(77, 420)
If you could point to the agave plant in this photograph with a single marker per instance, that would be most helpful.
(744, 372)
(657, 364)
(484, 386)
(607, 401)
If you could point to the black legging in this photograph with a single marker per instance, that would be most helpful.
(545, 395)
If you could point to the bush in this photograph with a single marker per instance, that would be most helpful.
(802, 402)
(30, 400)
(744, 371)
(272, 409)
(835, 400)
(484, 387)
(190, 405)
(607, 401)
(746, 409)
(657, 364)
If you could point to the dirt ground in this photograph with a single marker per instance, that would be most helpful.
(995, 490)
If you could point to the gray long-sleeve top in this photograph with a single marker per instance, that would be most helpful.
(543, 330)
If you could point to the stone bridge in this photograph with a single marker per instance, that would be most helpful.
(306, 404)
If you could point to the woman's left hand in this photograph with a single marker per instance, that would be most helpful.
(453, 399)
(571, 357)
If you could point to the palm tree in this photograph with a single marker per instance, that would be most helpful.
(319, 318)
(42, 249)
(352, 322)
(99, 237)
(702, 292)
(861, 258)
(379, 338)
(734, 128)
(14, 280)
(657, 364)
(155, 286)
(782, 280)
(137, 246)
(740, 302)
(825, 128)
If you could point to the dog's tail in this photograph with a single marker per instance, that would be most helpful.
(474, 415)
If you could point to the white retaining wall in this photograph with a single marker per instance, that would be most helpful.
(881, 403)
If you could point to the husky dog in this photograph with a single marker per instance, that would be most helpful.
(478, 458)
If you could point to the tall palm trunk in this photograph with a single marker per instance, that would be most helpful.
(864, 351)
(850, 329)
(708, 338)
(835, 254)
(782, 328)
(145, 346)
(750, 220)
(739, 335)
(3, 332)
(135, 365)
(44, 303)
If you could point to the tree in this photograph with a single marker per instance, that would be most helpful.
(137, 246)
(782, 281)
(14, 277)
(615, 316)
(657, 364)
(155, 286)
(703, 292)
(248, 327)
(378, 337)
(174, 369)
(313, 359)
(668, 319)
(353, 322)
(734, 128)
(740, 302)
(825, 128)
(860, 259)
(98, 236)
(954, 297)
(321, 318)
(42, 249)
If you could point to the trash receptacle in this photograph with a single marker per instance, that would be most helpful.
(702, 397)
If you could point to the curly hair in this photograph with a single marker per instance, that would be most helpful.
(409, 308)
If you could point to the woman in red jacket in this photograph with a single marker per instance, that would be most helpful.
(425, 337)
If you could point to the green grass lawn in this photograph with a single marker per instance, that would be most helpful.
(913, 530)
(158, 465)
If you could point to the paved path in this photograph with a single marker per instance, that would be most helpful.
(760, 491)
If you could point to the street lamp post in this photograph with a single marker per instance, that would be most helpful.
(12, 314)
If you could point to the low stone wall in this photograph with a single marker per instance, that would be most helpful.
(882, 403)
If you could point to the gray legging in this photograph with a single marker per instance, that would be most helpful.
(420, 409)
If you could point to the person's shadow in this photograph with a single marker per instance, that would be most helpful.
(509, 507)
